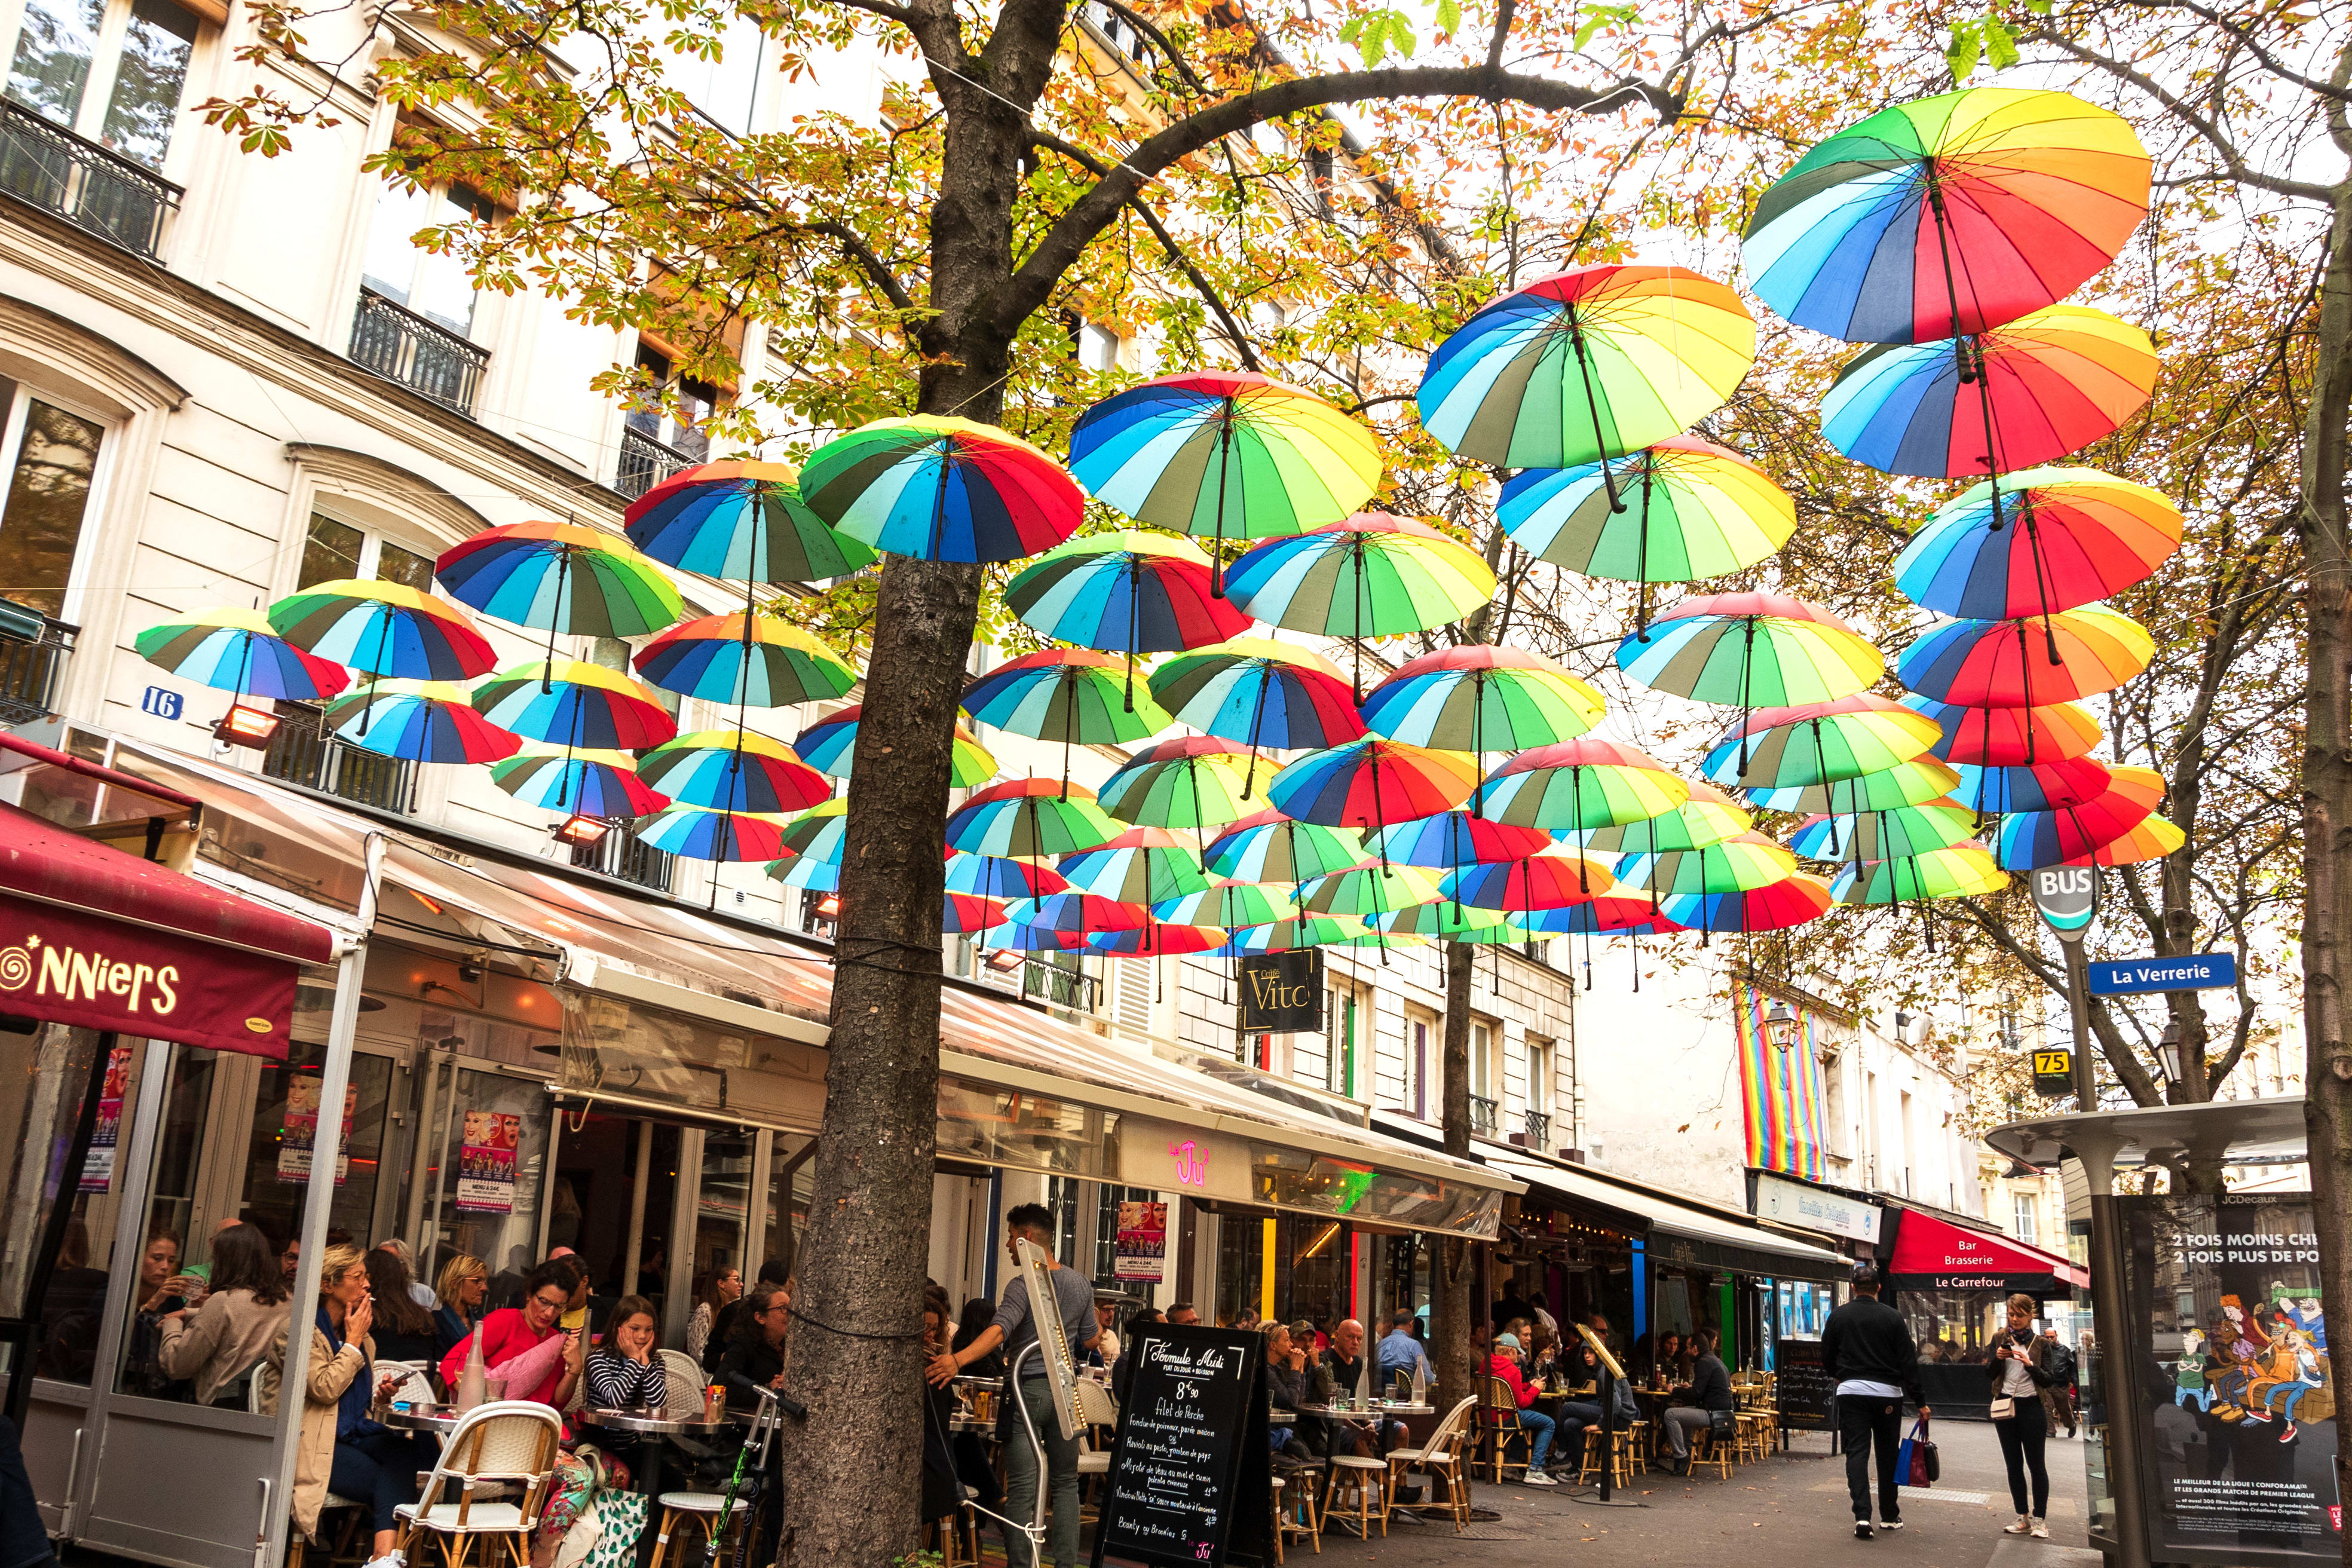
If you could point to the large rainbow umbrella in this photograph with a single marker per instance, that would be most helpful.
(1130, 592)
(2150, 838)
(1582, 784)
(238, 651)
(993, 877)
(1896, 833)
(1368, 575)
(1363, 891)
(422, 721)
(2027, 544)
(1587, 366)
(1781, 747)
(1692, 509)
(2005, 737)
(1075, 913)
(720, 835)
(1288, 935)
(829, 746)
(1229, 906)
(560, 577)
(1749, 651)
(1708, 817)
(1791, 901)
(1028, 819)
(602, 783)
(1961, 870)
(1067, 694)
(733, 770)
(2032, 839)
(1915, 782)
(2023, 663)
(1261, 692)
(1141, 866)
(1734, 865)
(1224, 455)
(1451, 838)
(941, 489)
(1155, 938)
(384, 628)
(819, 832)
(1185, 780)
(745, 659)
(1370, 782)
(1554, 879)
(2030, 786)
(2013, 397)
(1477, 698)
(1271, 848)
(1948, 214)
(567, 703)
(964, 914)
(1614, 914)
(742, 521)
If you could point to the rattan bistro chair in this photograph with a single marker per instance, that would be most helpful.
(1444, 1455)
(508, 1441)
(704, 1509)
(1498, 1427)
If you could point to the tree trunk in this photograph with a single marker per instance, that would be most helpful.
(1456, 1358)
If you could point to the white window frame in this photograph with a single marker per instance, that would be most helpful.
(1541, 1058)
(105, 65)
(374, 537)
(1484, 1070)
(75, 608)
(2026, 1218)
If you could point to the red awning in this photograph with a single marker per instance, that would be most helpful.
(91, 936)
(1931, 1254)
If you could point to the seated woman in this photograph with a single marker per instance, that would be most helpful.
(717, 1287)
(523, 1348)
(465, 1285)
(754, 1356)
(622, 1373)
(219, 1343)
(404, 1328)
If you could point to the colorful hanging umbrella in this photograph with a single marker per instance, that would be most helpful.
(1066, 694)
(991, 877)
(941, 489)
(745, 659)
(742, 521)
(1734, 865)
(1477, 700)
(1224, 455)
(1270, 848)
(602, 783)
(237, 651)
(569, 703)
(1229, 906)
(1612, 915)
(1130, 592)
(2021, 663)
(1587, 364)
(806, 873)
(1692, 510)
(1074, 913)
(2032, 839)
(2150, 838)
(1368, 575)
(1185, 780)
(2006, 737)
(1551, 881)
(818, 833)
(2013, 397)
(1012, 936)
(1451, 838)
(962, 915)
(1141, 866)
(1896, 833)
(1287, 936)
(2033, 786)
(384, 628)
(422, 721)
(1785, 747)
(1783, 904)
(1582, 784)
(1362, 891)
(1261, 692)
(1708, 817)
(560, 577)
(1948, 214)
(733, 770)
(1961, 871)
(2032, 542)
(1915, 782)
(1030, 818)
(1370, 782)
(1448, 921)
(829, 746)
(1155, 938)
(1749, 651)
(719, 835)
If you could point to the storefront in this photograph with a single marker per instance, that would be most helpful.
(1952, 1283)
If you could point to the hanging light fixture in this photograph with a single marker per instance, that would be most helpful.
(246, 726)
(581, 830)
(1783, 1027)
(2167, 1052)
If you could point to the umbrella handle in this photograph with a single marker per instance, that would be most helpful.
(1265, 680)
(563, 565)
(1592, 406)
(1217, 545)
(1642, 551)
(1951, 286)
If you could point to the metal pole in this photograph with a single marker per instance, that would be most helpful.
(2116, 1381)
(2078, 1013)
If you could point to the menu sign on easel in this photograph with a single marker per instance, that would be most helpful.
(1191, 1473)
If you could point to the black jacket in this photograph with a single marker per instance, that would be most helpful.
(1867, 1339)
(1997, 1368)
(1710, 1387)
(753, 1361)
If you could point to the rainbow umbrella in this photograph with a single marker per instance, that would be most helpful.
(2012, 398)
(1915, 782)
(743, 520)
(818, 833)
(941, 489)
(1450, 838)
(1788, 902)
(1992, 664)
(1751, 651)
(2044, 539)
(1228, 905)
(733, 770)
(991, 877)
(1582, 784)
(962, 915)
(1896, 833)
(2150, 838)
(2032, 839)
(237, 651)
(1270, 848)
(1586, 365)
(1130, 592)
(1948, 214)
(1185, 780)
(560, 577)
(747, 659)
(383, 629)
(2031, 786)
(1069, 694)
(1963, 871)
(720, 835)
(1074, 913)
(2005, 737)
(1363, 891)
(1286, 936)
(602, 783)
(1708, 817)
(422, 721)
(1030, 818)
(1262, 693)
(1224, 455)
(1696, 509)
(1477, 700)
(808, 873)
(1609, 915)
(1012, 936)
(1155, 938)
(1781, 747)
(1734, 865)
(829, 746)
(1551, 881)
(1368, 575)
(1141, 866)
(1449, 922)
(569, 703)
(1370, 782)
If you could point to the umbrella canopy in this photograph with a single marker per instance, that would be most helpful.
(1012, 936)
(1582, 784)
(1229, 906)
(743, 520)
(1130, 592)
(1030, 818)
(1896, 833)
(1551, 881)
(1224, 455)
(748, 659)
(1370, 782)
(2027, 544)
(1961, 871)
(1785, 747)
(1067, 694)
(807, 872)
(720, 835)
(941, 489)
(1155, 938)
(1451, 838)
(2150, 838)
(384, 628)
(1262, 693)
(424, 721)
(2013, 397)
(1735, 866)
(733, 770)
(1270, 848)
(817, 834)
(1074, 913)
(2033, 787)
(1368, 575)
(1141, 866)
(560, 577)
(1586, 364)
(993, 876)
(1789, 902)
(1948, 214)
(1750, 652)
(1449, 922)
(238, 650)
(2032, 839)
(2021, 663)
(1477, 698)
(1611, 915)
(569, 703)
(1915, 782)
(1708, 818)
(1185, 780)
(2005, 737)
(962, 915)
(829, 746)
(588, 783)
(1288, 936)
(1366, 891)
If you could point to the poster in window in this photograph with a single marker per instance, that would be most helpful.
(1142, 1248)
(486, 1162)
(106, 1132)
(298, 1135)
(2239, 1417)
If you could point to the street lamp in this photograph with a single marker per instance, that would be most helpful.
(1782, 1026)
(2167, 1052)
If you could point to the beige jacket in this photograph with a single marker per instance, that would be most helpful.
(314, 1454)
(221, 1340)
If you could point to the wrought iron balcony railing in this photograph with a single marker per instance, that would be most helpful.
(1539, 1129)
(81, 182)
(620, 854)
(645, 462)
(1483, 1115)
(400, 345)
(305, 754)
(29, 668)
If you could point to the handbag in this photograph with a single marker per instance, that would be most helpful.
(1916, 1464)
(2004, 1408)
(621, 1520)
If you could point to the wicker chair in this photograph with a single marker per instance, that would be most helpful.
(1444, 1455)
(1498, 1425)
(703, 1509)
(508, 1441)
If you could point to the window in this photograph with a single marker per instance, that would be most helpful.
(1098, 347)
(1482, 1065)
(1419, 1039)
(108, 70)
(51, 457)
(1540, 1071)
(333, 550)
(432, 284)
(2021, 1206)
(680, 430)
(725, 90)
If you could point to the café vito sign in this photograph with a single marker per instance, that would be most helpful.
(1282, 993)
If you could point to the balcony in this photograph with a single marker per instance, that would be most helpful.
(82, 182)
(33, 651)
(1482, 1120)
(422, 355)
(622, 857)
(1539, 1129)
(1040, 980)
(304, 754)
(645, 462)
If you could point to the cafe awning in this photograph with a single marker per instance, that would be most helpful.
(1680, 1231)
(1931, 1254)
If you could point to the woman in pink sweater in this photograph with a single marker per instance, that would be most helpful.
(524, 1347)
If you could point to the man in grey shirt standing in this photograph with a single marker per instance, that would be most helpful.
(1016, 1331)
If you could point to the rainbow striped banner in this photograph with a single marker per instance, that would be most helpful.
(1783, 1095)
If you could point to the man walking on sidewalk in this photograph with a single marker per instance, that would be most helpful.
(2058, 1399)
(1868, 1350)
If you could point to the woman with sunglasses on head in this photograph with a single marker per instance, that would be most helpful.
(465, 1285)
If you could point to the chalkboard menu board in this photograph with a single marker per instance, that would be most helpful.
(1191, 1472)
(1806, 1393)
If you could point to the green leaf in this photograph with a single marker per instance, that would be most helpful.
(1401, 34)
(1449, 16)
(1962, 53)
(1371, 45)
(1999, 45)
(1584, 32)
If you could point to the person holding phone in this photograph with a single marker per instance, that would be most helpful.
(2017, 1376)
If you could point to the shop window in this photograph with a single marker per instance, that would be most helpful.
(722, 1206)
(170, 1203)
(485, 1163)
(40, 1104)
(111, 71)
(51, 458)
(333, 550)
(433, 284)
(285, 1115)
(1241, 1260)
(1103, 1260)
(792, 1183)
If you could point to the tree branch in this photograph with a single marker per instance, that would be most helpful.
(853, 245)
(1144, 25)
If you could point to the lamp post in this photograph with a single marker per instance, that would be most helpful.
(2168, 1056)
(1783, 1027)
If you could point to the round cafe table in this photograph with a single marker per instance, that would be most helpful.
(440, 1419)
(1378, 1410)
